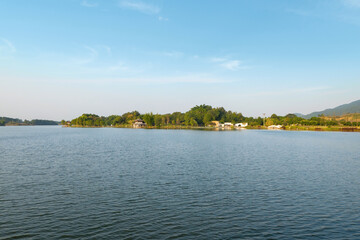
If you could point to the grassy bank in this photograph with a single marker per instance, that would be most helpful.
(323, 128)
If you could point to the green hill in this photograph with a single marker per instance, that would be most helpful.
(353, 107)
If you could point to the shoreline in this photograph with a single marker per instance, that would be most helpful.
(287, 128)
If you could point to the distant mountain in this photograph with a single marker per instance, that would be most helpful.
(43, 122)
(300, 115)
(16, 121)
(7, 119)
(353, 107)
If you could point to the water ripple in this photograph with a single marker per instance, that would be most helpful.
(58, 183)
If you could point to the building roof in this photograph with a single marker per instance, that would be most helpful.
(139, 120)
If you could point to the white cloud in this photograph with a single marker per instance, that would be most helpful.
(91, 57)
(174, 54)
(160, 18)
(93, 52)
(6, 45)
(216, 59)
(85, 3)
(118, 67)
(139, 6)
(232, 65)
(229, 64)
(352, 3)
(97, 60)
(107, 49)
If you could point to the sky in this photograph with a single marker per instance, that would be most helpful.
(62, 58)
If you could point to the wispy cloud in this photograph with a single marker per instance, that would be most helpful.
(120, 66)
(160, 18)
(229, 64)
(175, 54)
(93, 52)
(91, 56)
(86, 3)
(348, 14)
(107, 49)
(98, 61)
(299, 12)
(216, 59)
(232, 65)
(139, 6)
(352, 3)
(106, 77)
(290, 91)
(6, 45)
(187, 79)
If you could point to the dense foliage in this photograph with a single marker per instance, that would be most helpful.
(202, 115)
(292, 119)
(197, 116)
(113, 120)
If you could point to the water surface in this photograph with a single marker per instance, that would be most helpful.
(106, 183)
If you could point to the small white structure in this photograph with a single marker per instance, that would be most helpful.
(228, 124)
(275, 127)
(242, 125)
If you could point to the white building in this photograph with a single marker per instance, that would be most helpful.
(276, 127)
(241, 125)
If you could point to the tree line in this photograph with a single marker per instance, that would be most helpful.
(202, 115)
(15, 121)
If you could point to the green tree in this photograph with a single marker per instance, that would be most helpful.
(149, 119)
(118, 120)
(157, 120)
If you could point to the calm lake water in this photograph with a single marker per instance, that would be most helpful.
(68, 183)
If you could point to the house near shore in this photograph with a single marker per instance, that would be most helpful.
(242, 125)
(275, 127)
(138, 123)
(214, 124)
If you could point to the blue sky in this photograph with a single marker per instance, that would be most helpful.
(59, 59)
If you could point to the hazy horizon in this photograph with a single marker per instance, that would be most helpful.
(59, 59)
(120, 113)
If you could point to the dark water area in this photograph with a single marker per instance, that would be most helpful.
(106, 183)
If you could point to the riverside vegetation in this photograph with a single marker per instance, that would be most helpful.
(204, 115)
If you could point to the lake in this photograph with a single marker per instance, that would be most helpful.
(113, 183)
